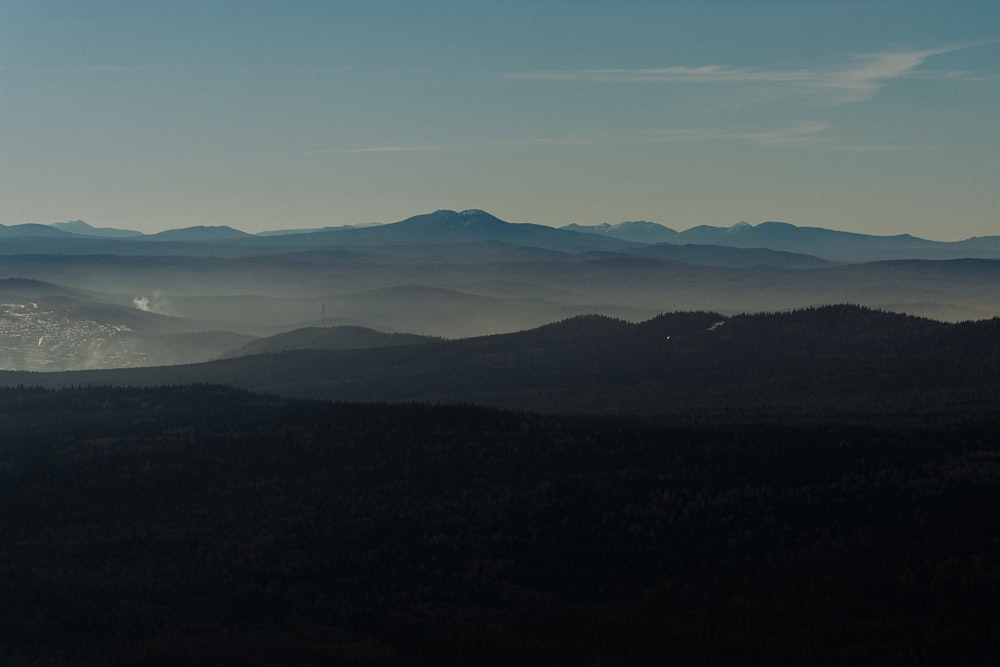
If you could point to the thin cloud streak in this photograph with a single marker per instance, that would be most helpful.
(396, 149)
(873, 71)
(861, 79)
(954, 75)
(804, 135)
(429, 148)
(807, 135)
(799, 134)
(70, 69)
(678, 74)
(426, 148)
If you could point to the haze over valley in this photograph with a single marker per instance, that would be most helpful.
(118, 300)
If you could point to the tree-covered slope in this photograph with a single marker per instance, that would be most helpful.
(329, 338)
(202, 525)
(835, 358)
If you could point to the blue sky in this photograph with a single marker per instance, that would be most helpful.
(879, 117)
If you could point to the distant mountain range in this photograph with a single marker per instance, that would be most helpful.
(83, 229)
(826, 243)
(476, 226)
(637, 231)
(75, 296)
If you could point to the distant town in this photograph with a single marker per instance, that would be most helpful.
(50, 339)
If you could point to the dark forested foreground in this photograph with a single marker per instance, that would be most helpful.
(204, 525)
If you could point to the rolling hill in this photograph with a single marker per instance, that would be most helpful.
(326, 338)
(842, 357)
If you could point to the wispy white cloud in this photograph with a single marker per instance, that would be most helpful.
(861, 78)
(809, 135)
(430, 148)
(955, 75)
(677, 74)
(868, 73)
(565, 141)
(806, 135)
(392, 149)
(799, 134)
(77, 69)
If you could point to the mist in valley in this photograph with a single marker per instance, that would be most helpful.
(450, 281)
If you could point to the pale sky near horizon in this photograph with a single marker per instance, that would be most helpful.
(880, 117)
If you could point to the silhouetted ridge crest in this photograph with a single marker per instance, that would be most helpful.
(29, 287)
(24, 282)
(640, 231)
(581, 326)
(681, 323)
(842, 318)
(205, 233)
(31, 229)
(331, 338)
(451, 220)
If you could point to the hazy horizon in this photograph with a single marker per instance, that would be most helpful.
(866, 117)
(373, 223)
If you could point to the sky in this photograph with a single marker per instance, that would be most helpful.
(880, 117)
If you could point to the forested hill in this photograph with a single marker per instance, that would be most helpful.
(838, 357)
(338, 337)
(207, 526)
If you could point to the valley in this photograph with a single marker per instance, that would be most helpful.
(446, 274)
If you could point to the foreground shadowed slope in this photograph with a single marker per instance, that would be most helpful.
(201, 525)
(837, 357)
